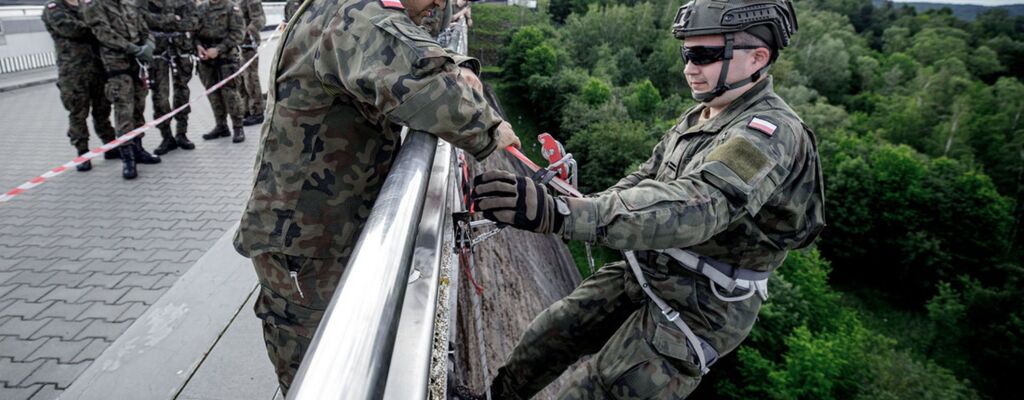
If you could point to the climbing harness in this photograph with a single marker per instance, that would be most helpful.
(718, 273)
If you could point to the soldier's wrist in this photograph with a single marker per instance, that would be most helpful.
(581, 221)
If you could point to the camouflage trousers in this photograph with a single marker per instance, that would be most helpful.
(80, 93)
(128, 95)
(251, 93)
(164, 78)
(225, 102)
(637, 353)
(291, 307)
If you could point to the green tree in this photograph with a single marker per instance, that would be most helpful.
(643, 103)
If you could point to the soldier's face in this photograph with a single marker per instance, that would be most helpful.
(704, 78)
(418, 9)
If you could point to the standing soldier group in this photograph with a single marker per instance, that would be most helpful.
(112, 52)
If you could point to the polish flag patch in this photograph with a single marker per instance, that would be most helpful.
(51, 5)
(392, 4)
(764, 126)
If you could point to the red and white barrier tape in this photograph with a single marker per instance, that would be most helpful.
(39, 180)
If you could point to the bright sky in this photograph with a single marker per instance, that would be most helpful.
(978, 2)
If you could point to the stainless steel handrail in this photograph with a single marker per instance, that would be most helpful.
(352, 352)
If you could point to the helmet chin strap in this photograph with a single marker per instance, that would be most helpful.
(722, 85)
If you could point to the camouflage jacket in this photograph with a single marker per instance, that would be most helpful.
(119, 27)
(347, 75)
(254, 19)
(744, 187)
(76, 47)
(221, 27)
(172, 21)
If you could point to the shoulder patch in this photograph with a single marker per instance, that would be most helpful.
(762, 125)
(237, 9)
(394, 4)
(51, 5)
(88, 1)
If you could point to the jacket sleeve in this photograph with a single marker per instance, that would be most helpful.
(189, 13)
(156, 16)
(99, 22)
(725, 182)
(414, 82)
(257, 18)
(60, 24)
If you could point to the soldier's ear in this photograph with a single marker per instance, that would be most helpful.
(761, 56)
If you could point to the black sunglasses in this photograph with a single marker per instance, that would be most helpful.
(704, 55)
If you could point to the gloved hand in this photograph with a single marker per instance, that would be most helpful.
(517, 201)
(145, 52)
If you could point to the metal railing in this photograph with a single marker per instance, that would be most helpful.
(377, 336)
(27, 62)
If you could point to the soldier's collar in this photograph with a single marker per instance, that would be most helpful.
(741, 104)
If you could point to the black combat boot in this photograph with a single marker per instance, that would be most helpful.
(182, 140)
(141, 155)
(167, 144)
(252, 119)
(218, 131)
(85, 166)
(239, 136)
(128, 170)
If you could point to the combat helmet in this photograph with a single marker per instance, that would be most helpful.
(772, 21)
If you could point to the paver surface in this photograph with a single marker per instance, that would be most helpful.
(83, 255)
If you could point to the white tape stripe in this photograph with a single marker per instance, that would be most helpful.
(135, 132)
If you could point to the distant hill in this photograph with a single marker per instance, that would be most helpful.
(963, 11)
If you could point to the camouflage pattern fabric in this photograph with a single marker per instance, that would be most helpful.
(291, 307)
(80, 75)
(120, 29)
(251, 93)
(221, 27)
(718, 187)
(172, 23)
(346, 77)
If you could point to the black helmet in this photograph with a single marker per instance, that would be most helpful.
(772, 21)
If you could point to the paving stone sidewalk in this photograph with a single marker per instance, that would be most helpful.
(82, 256)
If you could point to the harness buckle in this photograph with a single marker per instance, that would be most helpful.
(671, 314)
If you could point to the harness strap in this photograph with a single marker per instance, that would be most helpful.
(702, 348)
(720, 273)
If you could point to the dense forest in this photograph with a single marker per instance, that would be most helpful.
(915, 288)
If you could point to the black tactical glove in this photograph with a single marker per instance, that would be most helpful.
(517, 201)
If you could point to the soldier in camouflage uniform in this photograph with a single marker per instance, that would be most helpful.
(727, 193)
(290, 6)
(348, 75)
(172, 22)
(250, 91)
(124, 48)
(217, 39)
(80, 75)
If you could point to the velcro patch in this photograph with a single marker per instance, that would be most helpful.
(51, 5)
(741, 156)
(763, 125)
(395, 4)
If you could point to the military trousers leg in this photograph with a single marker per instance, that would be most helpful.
(159, 73)
(291, 307)
(225, 102)
(637, 352)
(251, 93)
(101, 108)
(181, 91)
(74, 94)
(128, 97)
(572, 327)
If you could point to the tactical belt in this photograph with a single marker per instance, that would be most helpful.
(163, 34)
(718, 273)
